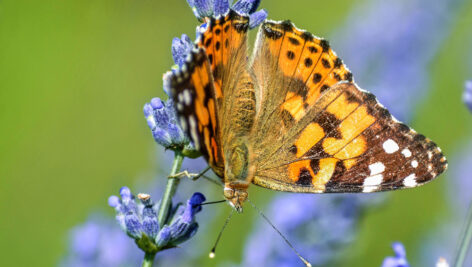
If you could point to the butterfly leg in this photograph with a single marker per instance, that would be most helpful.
(192, 176)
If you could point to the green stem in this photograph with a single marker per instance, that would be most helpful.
(148, 259)
(171, 187)
(465, 242)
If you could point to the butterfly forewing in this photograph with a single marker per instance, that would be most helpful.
(292, 68)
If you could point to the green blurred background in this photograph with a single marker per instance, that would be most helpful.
(74, 76)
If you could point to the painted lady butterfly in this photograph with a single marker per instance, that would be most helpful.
(291, 118)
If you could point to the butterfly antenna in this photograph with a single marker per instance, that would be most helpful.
(212, 253)
(277, 230)
(213, 202)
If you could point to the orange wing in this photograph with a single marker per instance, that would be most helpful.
(225, 42)
(292, 68)
(316, 131)
(193, 92)
(350, 143)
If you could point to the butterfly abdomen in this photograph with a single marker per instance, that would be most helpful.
(244, 107)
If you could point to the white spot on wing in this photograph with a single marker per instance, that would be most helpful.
(390, 146)
(372, 183)
(187, 97)
(414, 164)
(193, 131)
(376, 168)
(406, 152)
(410, 181)
(183, 124)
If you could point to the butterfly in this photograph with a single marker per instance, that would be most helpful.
(290, 117)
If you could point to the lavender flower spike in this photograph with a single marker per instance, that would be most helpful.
(400, 257)
(140, 222)
(467, 96)
(162, 121)
(181, 48)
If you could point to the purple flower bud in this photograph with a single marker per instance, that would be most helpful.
(148, 110)
(257, 18)
(127, 200)
(400, 257)
(184, 233)
(133, 225)
(125, 193)
(163, 237)
(467, 96)
(162, 137)
(114, 202)
(150, 222)
(221, 7)
(156, 103)
(195, 201)
(246, 6)
(180, 49)
(203, 8)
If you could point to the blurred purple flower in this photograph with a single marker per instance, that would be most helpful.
(461, 182)
(467, 96)
(307, 221)
(443, 241)
(399, 260)
(389, 44)
(100, 242)
(215, 8)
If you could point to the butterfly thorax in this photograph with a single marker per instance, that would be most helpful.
(238, 164)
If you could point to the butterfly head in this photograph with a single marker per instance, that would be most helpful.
(236, 195)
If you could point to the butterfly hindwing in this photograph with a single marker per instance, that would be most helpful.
(350, 143)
